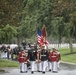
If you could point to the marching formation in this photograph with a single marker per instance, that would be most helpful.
(41, 59)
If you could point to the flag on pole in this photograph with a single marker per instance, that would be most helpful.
(39, 35)
(44, 35)
(44, 31)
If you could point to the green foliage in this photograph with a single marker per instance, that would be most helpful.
(38, 12)
(10, 12)
(58, 25)
(7, 33)
(59, 16)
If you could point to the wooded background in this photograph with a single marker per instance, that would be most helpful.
(19, 20)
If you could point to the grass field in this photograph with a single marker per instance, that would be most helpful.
(8, 63)
(66, 56)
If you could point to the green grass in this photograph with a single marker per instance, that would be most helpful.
(66, 56)
(8, 63)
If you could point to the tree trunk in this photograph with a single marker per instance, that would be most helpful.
(70, 45)
(18, 40)
(0, 54)
(59, 41)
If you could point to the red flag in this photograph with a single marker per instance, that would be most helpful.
(44, 35)
(44, 31)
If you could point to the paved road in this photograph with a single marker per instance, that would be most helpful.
(61, 72)
(65, 70)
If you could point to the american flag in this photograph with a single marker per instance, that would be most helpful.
(40, 38)
(39, 35)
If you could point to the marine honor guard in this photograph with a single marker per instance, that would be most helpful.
(22, 58)
(44, 58)
(32, 58)
(54, 59)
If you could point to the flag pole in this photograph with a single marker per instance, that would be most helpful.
(44, 34)
(36, 32)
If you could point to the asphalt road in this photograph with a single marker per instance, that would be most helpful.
(61, 72)
(66, 69)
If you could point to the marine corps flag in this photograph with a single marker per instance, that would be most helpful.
(44, 35)
(44, 31)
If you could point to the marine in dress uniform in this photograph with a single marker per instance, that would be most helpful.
(54, 59)
(44, 57)
(21, 60)
(32, 58)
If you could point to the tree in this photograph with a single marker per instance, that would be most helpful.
(66, 8)
(58, 28)
(8, 32)
(10, 12)
(38, 12)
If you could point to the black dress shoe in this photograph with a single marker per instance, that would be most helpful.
(49, 69)
(32, 72)
(22, 72)
(43, 72)
(39, 71)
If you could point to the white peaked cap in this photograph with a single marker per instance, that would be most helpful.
(45, 47)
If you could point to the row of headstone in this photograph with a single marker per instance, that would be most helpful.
(66, 45)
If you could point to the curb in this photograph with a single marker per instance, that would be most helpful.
(67, 63)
